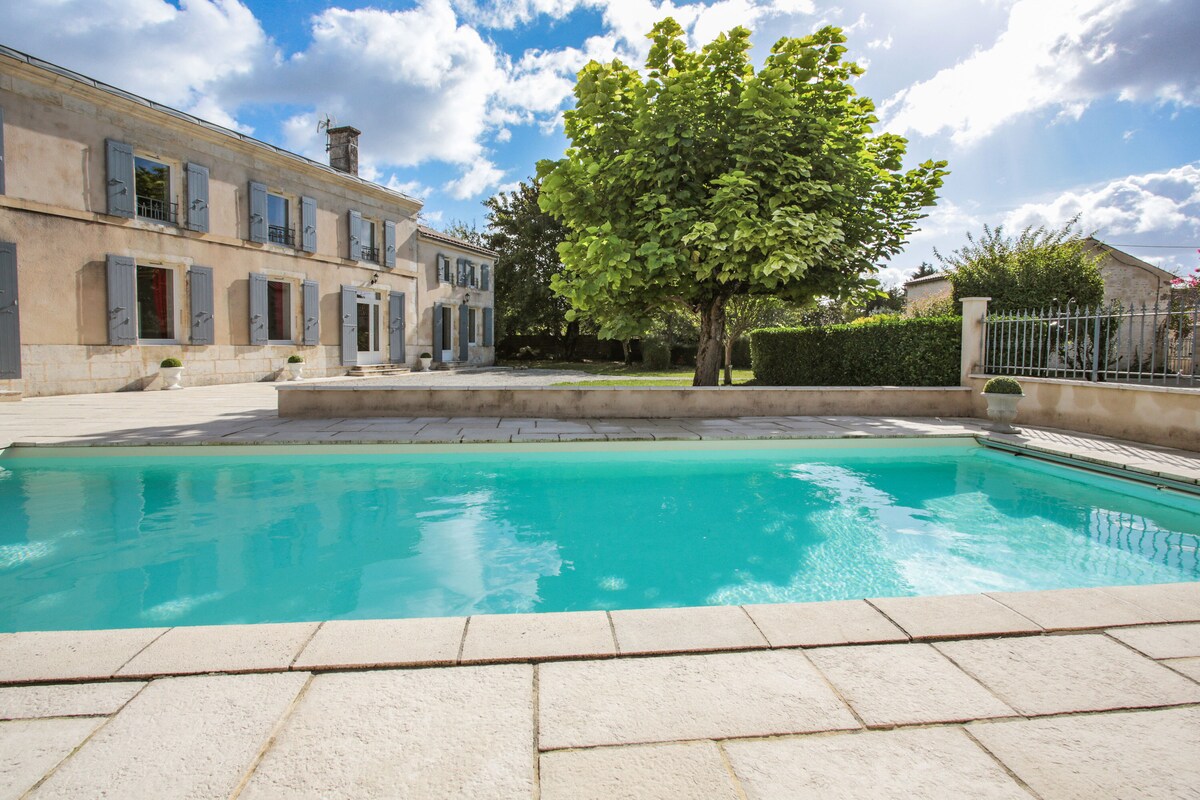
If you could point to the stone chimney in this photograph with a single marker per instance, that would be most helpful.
(343, 149)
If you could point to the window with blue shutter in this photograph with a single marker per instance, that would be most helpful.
(10, 315)
(119, 178)
(258, 212)
(489, 330)
(200, 291)
(312, 313)
(197, 194)
(349, 326)
(121, 284)
(437, 332)
(258, 309)
(485, 277)
(389, 243)
(464, 329)
(443, 268)
(396, 328)
(1, 151)
(355, 224)
(308, 224)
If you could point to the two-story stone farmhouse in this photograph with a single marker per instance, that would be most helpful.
(131, 232)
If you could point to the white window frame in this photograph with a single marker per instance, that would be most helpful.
(293, 205)
(174, 178)
(290, 314)
(368, 241)
(176, 312)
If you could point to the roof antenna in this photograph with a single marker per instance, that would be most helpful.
(326, 122)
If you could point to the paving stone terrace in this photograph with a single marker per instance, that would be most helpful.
(1087, 693)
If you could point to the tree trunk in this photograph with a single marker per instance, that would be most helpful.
(626, 350)
(712, 332)
(728, 361)
(570, 341)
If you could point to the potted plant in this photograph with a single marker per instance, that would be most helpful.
(1002, 395)
(172, 373)
(295, 367)
(426, 359)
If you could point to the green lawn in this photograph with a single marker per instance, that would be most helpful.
(680, 375)
(644, 381)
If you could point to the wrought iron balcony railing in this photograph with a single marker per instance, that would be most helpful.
(278, 234)
(158, 210)
(370, 254)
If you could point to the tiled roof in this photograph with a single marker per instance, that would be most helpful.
(430, 233)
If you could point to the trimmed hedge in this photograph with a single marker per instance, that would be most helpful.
(905, 352)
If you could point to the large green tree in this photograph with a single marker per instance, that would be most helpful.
(705, 179)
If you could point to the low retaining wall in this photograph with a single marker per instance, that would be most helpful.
(1162, 415)
(607, 402)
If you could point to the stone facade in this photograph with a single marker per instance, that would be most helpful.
(337, 233)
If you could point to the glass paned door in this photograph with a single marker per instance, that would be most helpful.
(369, 346)
(447, 333)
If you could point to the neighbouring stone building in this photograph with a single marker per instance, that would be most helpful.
(131, 232)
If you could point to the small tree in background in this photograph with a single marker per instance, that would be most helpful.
(1038, 268)
(748, 312)
(924, 271)
(470, 234)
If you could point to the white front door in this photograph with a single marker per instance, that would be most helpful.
(447, 333)
(370, 349)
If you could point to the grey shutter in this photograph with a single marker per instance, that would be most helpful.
(464, 324)
(10, 315)
(485, 277)
(437, 333)
(312, 313)
(308, 224)
(258, 212)
(355, 235)
(461, 272)
(258, 308)
(197, 194)
(119, 174)
(396, 328)
(389, 243)
(200, 288)
(122, 300)
(488, 325)
(443, 268)
(473, 274)
(349, 326)
(1, 151)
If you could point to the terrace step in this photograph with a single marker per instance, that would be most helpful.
(376, 370)
(9, 396)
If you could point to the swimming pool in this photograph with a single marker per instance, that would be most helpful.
(117, 540)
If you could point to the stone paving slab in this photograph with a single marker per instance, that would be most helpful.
(1064, 674)
(70, 655)
(31, 748)
(924, 764)
(953, 616)
(830, 623)
(1187, 666)
(1148, 754)
(674, 698)
(221, 648)
(189, 737)
(905, 684)
(465, 732)
(66, 700)
(1162, 641)
(1173, 602)
(528, 637)
(1074, 609)
(689, 771)
(668, 630)
(384, 643)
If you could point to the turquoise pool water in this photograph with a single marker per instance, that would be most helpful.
(102, 542)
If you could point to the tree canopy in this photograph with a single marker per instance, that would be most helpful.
(1037, 268)
(705, 179)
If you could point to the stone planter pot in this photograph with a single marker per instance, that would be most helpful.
(295, 372)
(425, 363)
(172, 377)
(1002, 410)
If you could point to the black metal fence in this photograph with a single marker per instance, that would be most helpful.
(1117, 343)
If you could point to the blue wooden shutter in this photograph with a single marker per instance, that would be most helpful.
(460, 272)
(355, 222)
(443, 268)
(396, 328)
(437, 332)
(464, 325)
(119, 174)
(10, 315)
(200, 289)
(488, 326)
(258, 308)
(1, 151)
(349, 326)
(122, 300)
(389, 243)
(312, 313)
(258, 212)
(473, 274)
(197, 194)
(485, 277)
(308, 224)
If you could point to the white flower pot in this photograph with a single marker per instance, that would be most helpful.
(172, 377)
(1002, 410)
(425, 363)
(295, 371)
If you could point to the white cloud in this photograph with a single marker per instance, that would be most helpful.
(510, 13)
(1058, 55)
(477, 179)
(946, 227)
(410, 188)
(880, 44)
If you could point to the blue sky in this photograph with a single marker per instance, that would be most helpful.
(1044, 108)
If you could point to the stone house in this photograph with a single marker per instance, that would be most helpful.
(131, 232)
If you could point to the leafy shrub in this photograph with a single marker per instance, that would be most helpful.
(1003, 386)
(167, 363)
(904, 352)
(874, 319)
(425, 355)
(656, 355)
(938, 305)
(295, 358)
